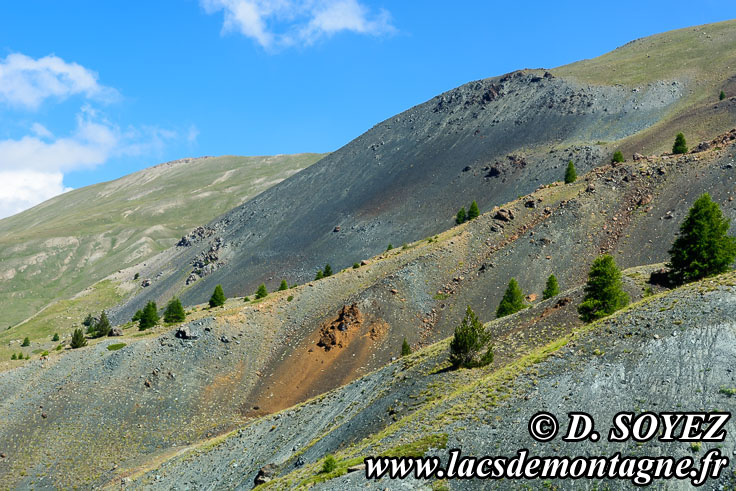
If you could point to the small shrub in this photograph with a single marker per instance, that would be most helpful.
(730, 392)
(218, 297)
(695, 446)
(721, 96)
(405, 348)
(319, 275)
(329, 465)
(246, 299)
(356, 265)
(44, 353)
(78, 339)
(26, 342)
(56, 337)
(59, 347)
(116, 346)
(389, 247)
(680, 145)
(88, 321)
(618, 157)
(283, 286)
(13, 356)
(290, 298)
(261, 292)
(137, 275)
(570, 174)
(648, 292)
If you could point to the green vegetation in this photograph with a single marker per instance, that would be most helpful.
(261, 292)
(469, 342)
(174, 312)
(473, 211)
(218, 297)
(604, 292)
(728, 391)
(461, 216)
(703, 247)
(512, 301)
(102, 326)
(319, 275)
(78, 339)
(721, 96)
(405, 348)
(680, 145)
(618, 157)
(329, 464)
(149, 316)
(26, 342)
(116, 346)
(552, 288)
(56, 337)
(89, 322)
(283, 286)
(13, 356)
(570, 174)
(327, 270)
(389, 247)
(356, 265)
(290, 298)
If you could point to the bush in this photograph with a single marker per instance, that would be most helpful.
(137, 316)
(570, 174)
(290, 298)
(26, 342)
(261, 292)
(56, 337)
(468, 343)
(174, 312)
(283, 286)
(461, 216)
(389, 247)
(137, 275)
(218, 297)
(680, 145)
(551, 289)
(319, 275)
(246, 299)
(604, 292)
(88, 321)
(329, 465)
(356, 265)
(703, 247)
(473, 211)
(13, 356)
(328, 270)
(45, 353)
(78, 339)
(116, 346)
(405, 348)
(59, 347)
(512, 301)
(149, 316)
(618, 157)
(721, 96)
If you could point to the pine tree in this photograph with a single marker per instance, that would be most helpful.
(137, 316)
(78, 339)
(618, 157)
(680, 145)
(570, 174)
(319, 275)
(551, 289)
(174, 312)
(389, 247)
(703, 247)
(261, 292)
(512, 301)
(26, 342)
(328, 270)
(218, 297)
(721, 96)
(102, 326)
(56, 337)
(149, 316)
(283, 286)
(473, 211)
(14, 356)
(88, 321)
(405, 348)
(461, 216)
(604, 293)
(468, 343)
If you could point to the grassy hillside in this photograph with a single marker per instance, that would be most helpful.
(702, 57)
(67, 243)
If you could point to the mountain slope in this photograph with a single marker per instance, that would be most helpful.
(62, 246)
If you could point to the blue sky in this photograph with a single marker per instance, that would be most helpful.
(93, 90)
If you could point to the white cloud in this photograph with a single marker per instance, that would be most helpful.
(282, 23)
(192, 134)
(22, 189)
(26, 82)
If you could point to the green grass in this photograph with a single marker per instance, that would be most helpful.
(116, 346)
(66, 244)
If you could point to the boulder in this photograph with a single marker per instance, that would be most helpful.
(116, 331)
(638, 156)
(186, 332)
(504, 215)
(265, 474)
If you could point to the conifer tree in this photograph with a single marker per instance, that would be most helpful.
(283, 286)
(261, 292)
(149, 316)
(137, 316)
(218, 297)
(469, 342)
(721, 96)
(405, 348)
(390, 246)
(680, 145)
(703, 247)
(26, 342)
(319, 275)
(617, 157)
(604, 293)
(473, 211)
(461, 216)
(512, 301)
(552, 288)
(88, 321)
(328, 270)
(78, 339)
(14, 356)
(102, 326)
(570, 174)
(56, 337)
(174, 312)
